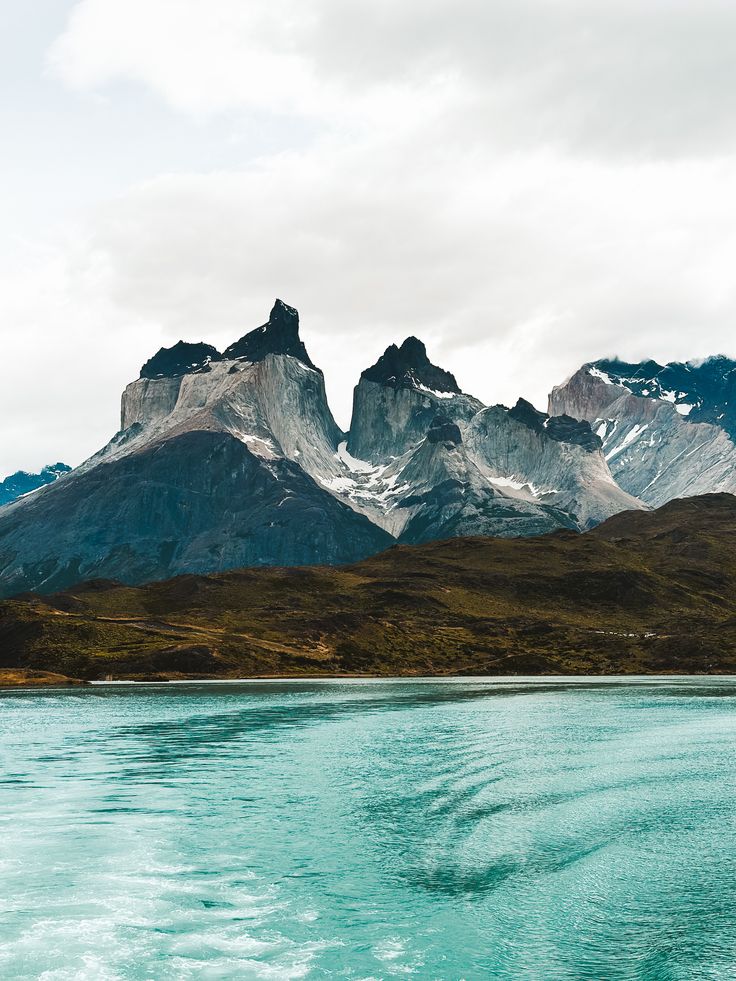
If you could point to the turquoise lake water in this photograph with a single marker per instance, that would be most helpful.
(443, 829)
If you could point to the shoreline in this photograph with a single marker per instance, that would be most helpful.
(45, 681)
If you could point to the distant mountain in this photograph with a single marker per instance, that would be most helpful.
(643, 592)
(667, 430)
(21, 482)
(702, 391)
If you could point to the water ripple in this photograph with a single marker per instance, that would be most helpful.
(457, 829)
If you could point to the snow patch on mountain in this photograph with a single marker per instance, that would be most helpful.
(658, 446)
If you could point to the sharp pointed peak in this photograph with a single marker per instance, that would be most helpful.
(279, 335)
(408, 366)
(414, 347)
(282, 311)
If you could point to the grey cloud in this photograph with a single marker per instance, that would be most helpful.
(524, 185)
(641, 77)
(633, 77)
(514, 272)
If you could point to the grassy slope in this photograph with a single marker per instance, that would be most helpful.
(641, 593)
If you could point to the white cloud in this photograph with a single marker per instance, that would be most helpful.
(68, 352)
(634, 76)
(525, 185)
(514, 270)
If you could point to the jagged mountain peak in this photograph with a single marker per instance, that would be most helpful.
(525, 412)
(181, 359)
(280, 335)
(408, 366)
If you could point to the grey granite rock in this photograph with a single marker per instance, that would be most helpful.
(652, 447)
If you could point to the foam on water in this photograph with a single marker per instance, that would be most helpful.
(451, 829)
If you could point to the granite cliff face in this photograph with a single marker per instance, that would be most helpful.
(397, 399)
(553, 460)
(658, 441)
(443, 464)
(234, 459)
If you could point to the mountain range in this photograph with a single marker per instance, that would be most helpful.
(231, 459)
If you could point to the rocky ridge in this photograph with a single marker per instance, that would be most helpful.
(658, 445)
(21, 482)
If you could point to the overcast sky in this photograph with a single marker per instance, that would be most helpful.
(524, 184)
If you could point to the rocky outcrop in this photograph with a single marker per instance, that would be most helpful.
(181, 359)
(443, 430)
(653, 448)
(279, 336)
(397, 399)
(20, 483)
(561, 429)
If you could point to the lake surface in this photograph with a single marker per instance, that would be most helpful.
(442, 829)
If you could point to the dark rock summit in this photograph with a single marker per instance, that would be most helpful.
(563, 429)
(181, 359)
(397, 399)
(279, 336)
(444, 430)
(409, 367)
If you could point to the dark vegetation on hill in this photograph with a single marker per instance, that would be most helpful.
(643, 592)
